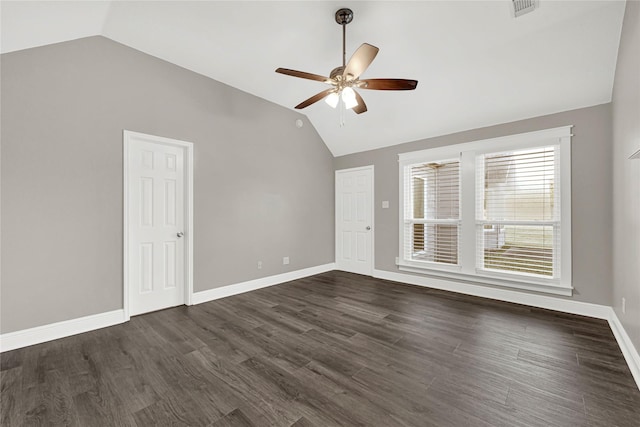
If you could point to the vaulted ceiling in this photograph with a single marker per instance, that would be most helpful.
(476, 64)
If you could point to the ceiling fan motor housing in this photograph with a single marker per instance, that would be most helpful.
(337, 72)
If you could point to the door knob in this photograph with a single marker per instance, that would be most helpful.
(180, 234)
(368, 227)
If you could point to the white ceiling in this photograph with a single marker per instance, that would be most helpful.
(476, 64)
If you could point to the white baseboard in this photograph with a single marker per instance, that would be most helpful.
(628, 349)
(53, 331)
(263, 282)
(540, 301)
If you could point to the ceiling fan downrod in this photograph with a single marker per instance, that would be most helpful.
(343, 17)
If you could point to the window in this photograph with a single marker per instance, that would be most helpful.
(517, 214)
(493, 211)
(434, 213)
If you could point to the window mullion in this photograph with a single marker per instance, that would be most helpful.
(467, 240)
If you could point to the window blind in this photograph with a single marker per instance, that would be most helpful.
(432, 211)
(518, 212)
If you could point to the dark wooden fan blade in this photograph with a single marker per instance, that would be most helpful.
(388, 84)
(361, 107)
(360, 61)
(303, 75)
(315, 98)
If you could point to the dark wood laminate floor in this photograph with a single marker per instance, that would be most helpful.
(333, 349)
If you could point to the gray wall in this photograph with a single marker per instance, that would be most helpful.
(263, 188)
(591, 192)
(626, 178)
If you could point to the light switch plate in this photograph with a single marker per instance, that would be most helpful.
(385, 204)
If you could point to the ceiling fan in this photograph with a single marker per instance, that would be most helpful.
(345, 79)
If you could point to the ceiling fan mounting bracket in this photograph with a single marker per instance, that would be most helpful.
(344, 16)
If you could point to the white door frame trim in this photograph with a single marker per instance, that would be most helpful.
(188, 214)
(373, 210)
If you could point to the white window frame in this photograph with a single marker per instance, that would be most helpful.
(467, 152)
(456, 222)
(404, 221)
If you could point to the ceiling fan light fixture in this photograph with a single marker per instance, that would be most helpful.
(332, 99)
(349, 98)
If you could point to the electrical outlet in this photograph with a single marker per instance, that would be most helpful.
(624, 305)
(397, 260)
(259, 265)
(285, 260)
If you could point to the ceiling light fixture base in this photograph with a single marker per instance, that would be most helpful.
(344, 16)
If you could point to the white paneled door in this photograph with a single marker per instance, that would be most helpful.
(156, 178)
(354, 220)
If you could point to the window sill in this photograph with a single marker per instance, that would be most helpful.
(480, 279)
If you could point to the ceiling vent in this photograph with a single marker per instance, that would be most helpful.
(520, 7)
